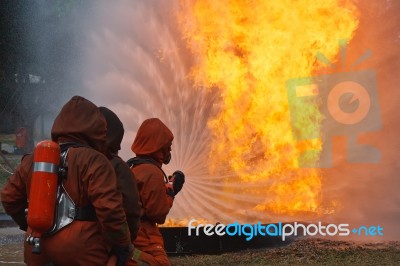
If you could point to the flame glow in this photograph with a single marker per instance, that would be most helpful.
(248, 50)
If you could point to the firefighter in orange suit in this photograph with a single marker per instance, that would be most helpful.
(99, 226)
(152, 147)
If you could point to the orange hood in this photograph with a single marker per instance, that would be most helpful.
(152, 136)
(80, 121)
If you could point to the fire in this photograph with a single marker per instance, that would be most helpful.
(170, 222)
(248, 50)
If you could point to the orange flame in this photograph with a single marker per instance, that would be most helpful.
(248, 50)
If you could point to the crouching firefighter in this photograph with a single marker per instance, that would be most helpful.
(75, 215)
(152, 147)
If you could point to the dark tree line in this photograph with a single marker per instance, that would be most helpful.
(37, 52)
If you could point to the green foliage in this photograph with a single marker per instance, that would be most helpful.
(38, 38)
(3, 179)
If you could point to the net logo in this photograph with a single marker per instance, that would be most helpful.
(345, 104)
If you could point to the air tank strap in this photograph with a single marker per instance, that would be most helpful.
(86, 213)
(132, 162)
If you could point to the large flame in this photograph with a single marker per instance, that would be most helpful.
(248, 50)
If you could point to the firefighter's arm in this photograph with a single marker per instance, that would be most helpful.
(14, 194)
(126, 183)
(155, 199)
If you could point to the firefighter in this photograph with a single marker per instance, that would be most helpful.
(97, 226)
(126, 181)
(152, 147)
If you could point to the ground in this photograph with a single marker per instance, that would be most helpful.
(312, 251)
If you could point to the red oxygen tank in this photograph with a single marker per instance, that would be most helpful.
(44, 183)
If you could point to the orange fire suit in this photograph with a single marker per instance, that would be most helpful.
(90, 180)
(153, 142)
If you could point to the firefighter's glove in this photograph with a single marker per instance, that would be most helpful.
(177, 179)
(123, 254)
(170, 189)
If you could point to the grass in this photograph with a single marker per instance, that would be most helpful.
(8, 138)
(305, 252)
(11, 158)
(3, 179)
(5, 170)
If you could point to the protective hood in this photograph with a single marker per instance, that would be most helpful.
(152, 136)
(115, 130)
(80, 121)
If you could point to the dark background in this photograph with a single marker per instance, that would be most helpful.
(38, 50)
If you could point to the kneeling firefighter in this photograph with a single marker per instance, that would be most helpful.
(152, 147)
(90, 223)
(126, 181)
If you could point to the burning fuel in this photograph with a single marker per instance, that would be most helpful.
(247, 50)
